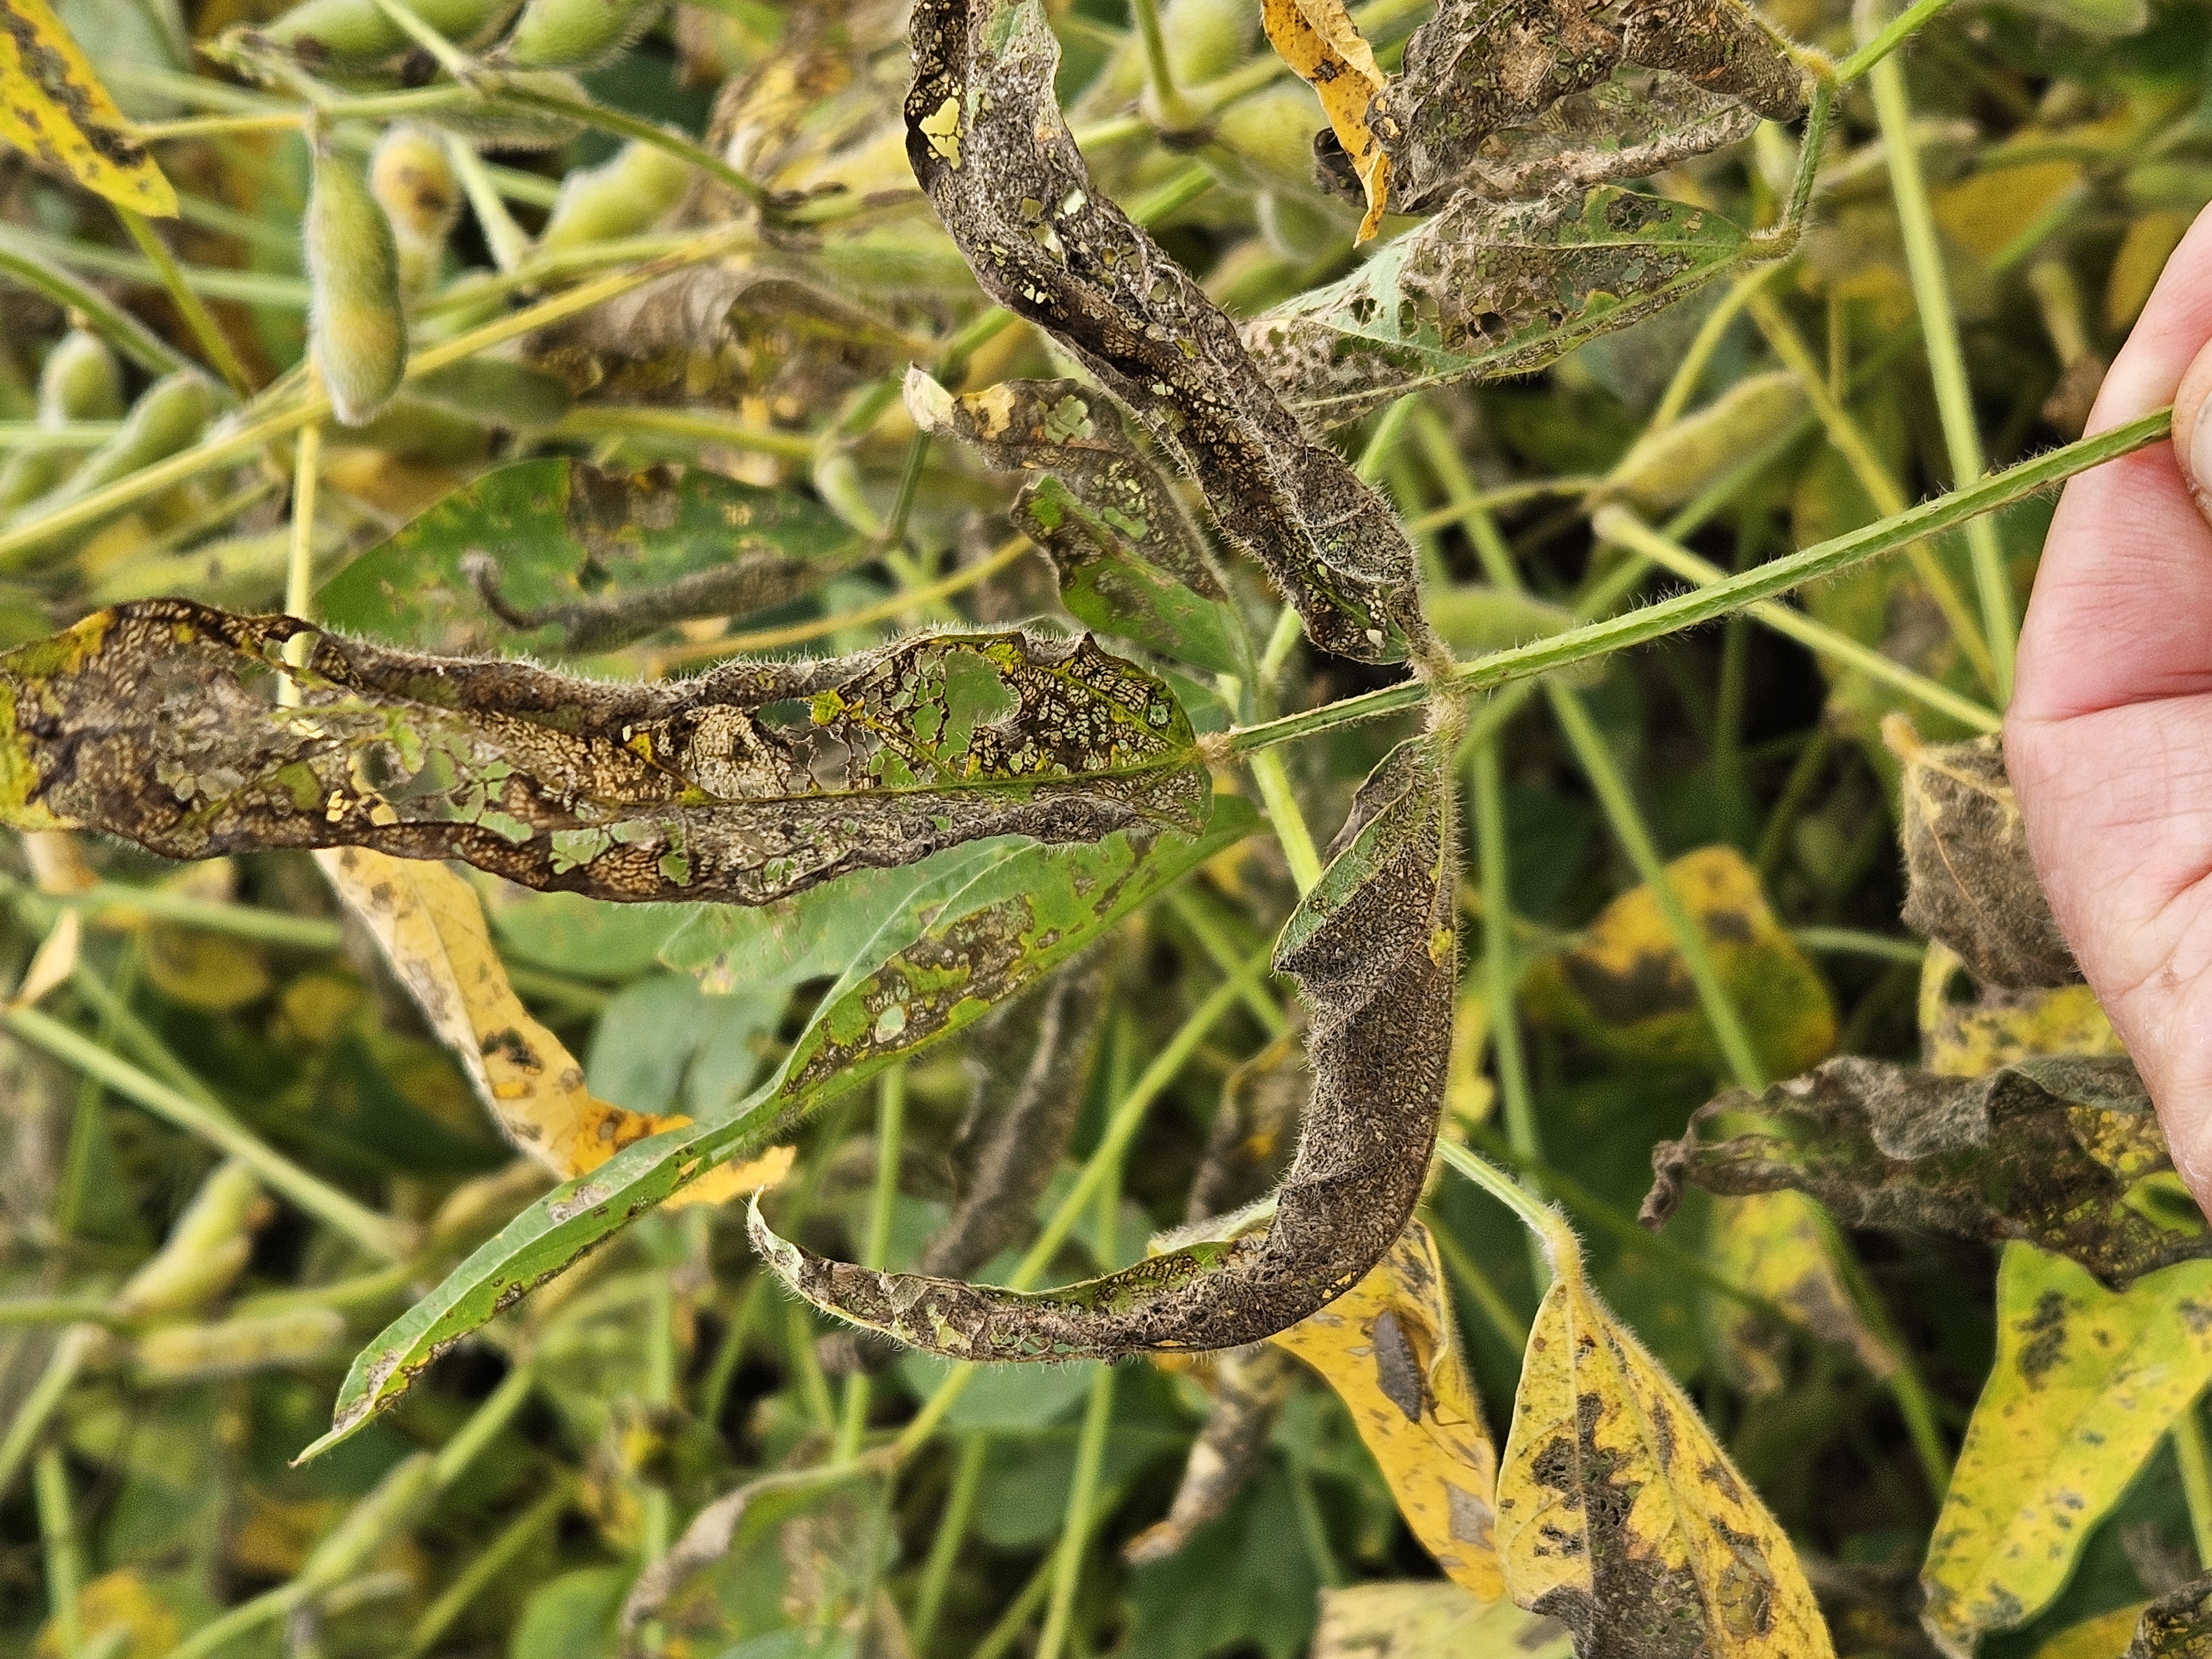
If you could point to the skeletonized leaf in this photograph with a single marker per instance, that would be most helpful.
(1386, 1346)
(1618, 1512)
(1425, 1619)
(2178, 1626)
(1130, 561)
(554, 555)
(52, 106)
(1624, 986)
(749, 782)
(2086, 1381)
(1324, 47)
(428, 923)
(988, 920)
(1372, 947)
(1970, 882)
(1486, 289)
(2061, 1150)
(1635, 123)
(989, 143)
(1249, 1386)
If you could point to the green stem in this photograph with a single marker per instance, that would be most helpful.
(1900, 29)
(1297, 842)
(1851, 941)
(1516, 1098)
(490, 1563)
(214, 344)
(116, 326)
(945, 1545)
(890, 1124)
(1946, 364)
(2195, 1458)
(1691, 372)
(57, 1541)
(60, 1310)
(1618, 524)
(1075, 1529)
(1550, 1228)
(631, 126)
(69, 1352)
(508, 242)
(1223, 952)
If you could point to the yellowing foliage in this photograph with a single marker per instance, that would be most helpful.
(52, 106)
(1319, 40)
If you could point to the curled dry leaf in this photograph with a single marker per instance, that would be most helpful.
(1373, 949)
(1486, 289)
(1386, 1346)
(428, 923)
(1249, 1386)
(554, 555)
(1618, 1512)
(1130, 560)
(2085, 1383)
(1319, 40)
(752, 781)
(2062, 1152)
(2178, 1626)
(1425, 1619)
(1634, 125)
(52, 106)
(1481, 67)
(1970, 882)
(989, 144)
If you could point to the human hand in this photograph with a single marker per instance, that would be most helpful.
(2109, 738)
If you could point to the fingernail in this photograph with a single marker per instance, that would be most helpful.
(2192, 430)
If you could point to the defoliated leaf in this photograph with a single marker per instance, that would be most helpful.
(1970, 882)
(2178, 1626)
(989, 921)
(1373, 948)
(1130, 560)
(554, 555)
(752, 781)
(2061, 1150)
(1322, 44)
(989, 143)
(1618, 1512)
(2086, 1381)
(1488, 289)
(428, 923)
(1624, 986)
(1633, 125)
(1425, 1619)
(1386, 1346)
(53, 107)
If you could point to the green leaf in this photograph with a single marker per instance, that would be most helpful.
(581, 560)
(746, 784)
(1373, 948)
(1485, 289)
(987, 923)
(2087, 1381)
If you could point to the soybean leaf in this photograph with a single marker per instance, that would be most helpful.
(2178, 1626)
(2001, 1028)
(53, 107)
(1130, 560)
(1633, 125)
(1624, 986)
(1250, 1387)
(554, 555)
(1386, 1346)
(2086, 1381)
(428, 923)
(1425, 1619)
(989, 143)
(1488, 289)
(1372, 947)
(991, 921)
(1619, 1514)
(1319, 40)
(1781, 1246)
(1970, 882)
(2062, 1152)
(751, 782)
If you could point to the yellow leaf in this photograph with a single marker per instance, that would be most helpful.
(1386, 1346)
(1626, 988)
(2086, 1381)
(1620, 1515)
(117, 1613)
(2006, 1027)
(53, 107)
(1783, 1246)
(1984, 212)
(2105, 1636)
(2137, 267)
(217, 972)
(1427, 1620)
(430, 928)
(1470, 1097)
(1319, 40)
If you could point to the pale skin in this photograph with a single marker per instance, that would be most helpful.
(2109, 738)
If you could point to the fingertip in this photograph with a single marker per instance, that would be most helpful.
(2192, 432)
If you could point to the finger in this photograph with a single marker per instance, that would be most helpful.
(2121, 610)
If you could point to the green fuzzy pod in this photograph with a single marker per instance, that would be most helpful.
(169, 416)
(358, 330)
(621, 197)
(1270, 137)
(80, 382)
(206, 1247)
(234, 1347)
(357, 32)
(1672, 465)
(576, 34)
(413, 182)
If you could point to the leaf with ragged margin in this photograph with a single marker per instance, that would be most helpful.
(1130, 561)
(989, 143)
(1634, 125)
(1488, 289)
(991, 921)
(1324, 47)
(1373, 949)
(554, 555)
(2178, 1626)
(2085, 1382)
(752, 781)
(2060, 1150)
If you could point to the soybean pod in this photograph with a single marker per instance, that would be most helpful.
(575, 34)
(355, 324)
